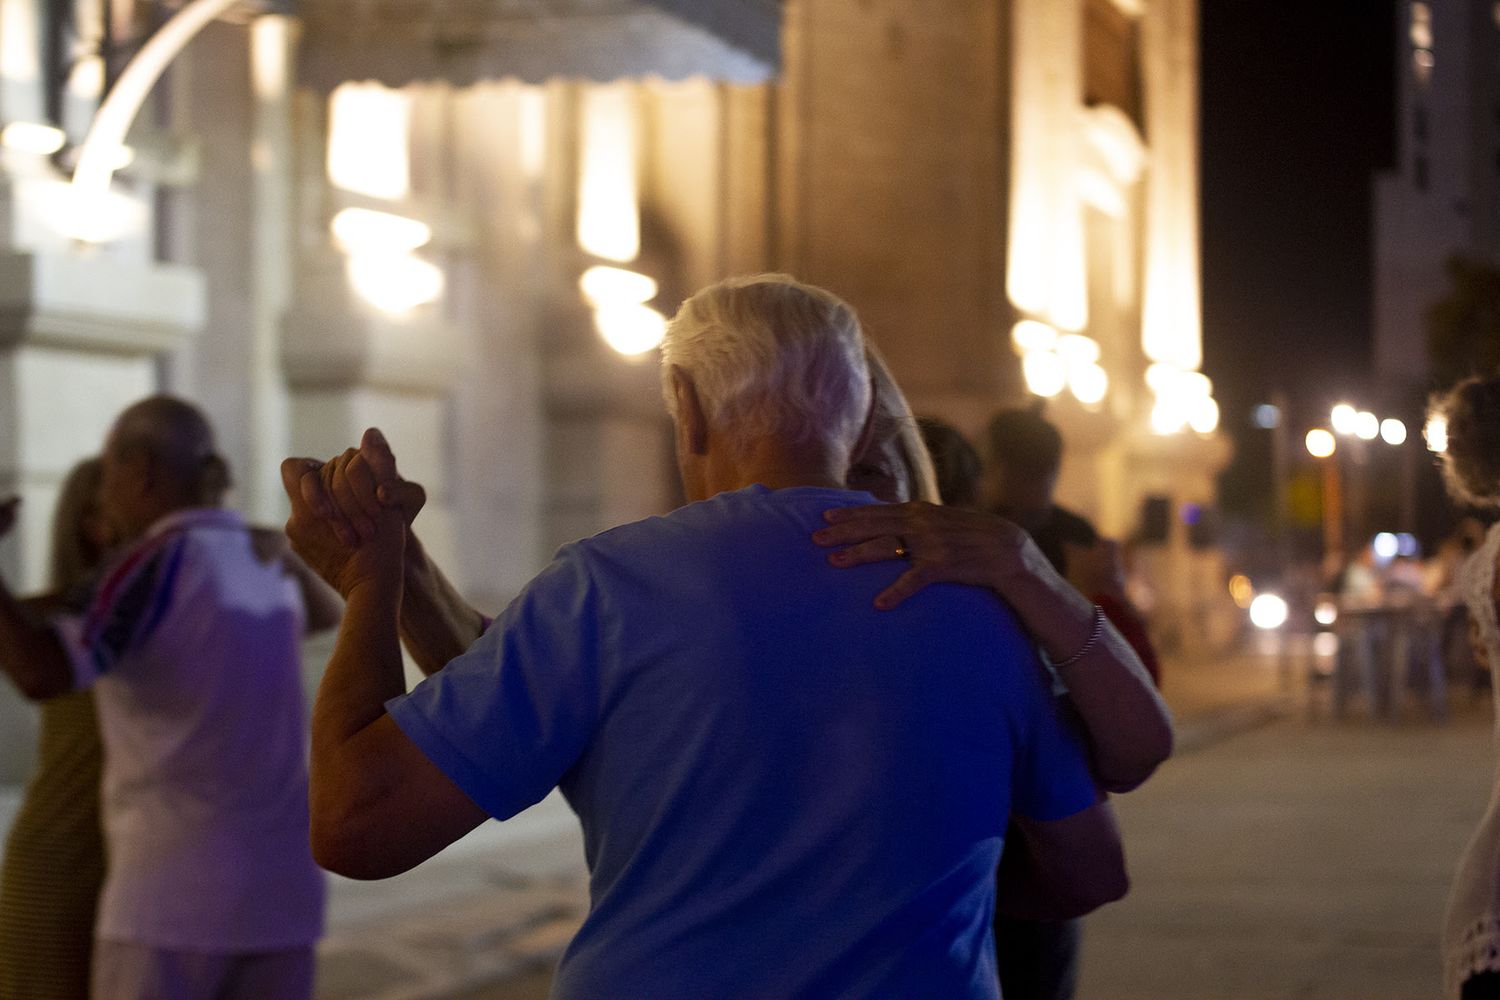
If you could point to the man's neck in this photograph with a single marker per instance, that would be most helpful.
(775, 468)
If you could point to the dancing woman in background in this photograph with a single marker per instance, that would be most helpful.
(54, 857)
(1471, 466)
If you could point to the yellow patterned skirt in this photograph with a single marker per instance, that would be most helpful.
(54, 861)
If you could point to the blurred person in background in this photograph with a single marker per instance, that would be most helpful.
(1471, 469)
(955, 461)
(54, 855)
(190, 642)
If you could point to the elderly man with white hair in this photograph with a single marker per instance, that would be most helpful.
(783, 791)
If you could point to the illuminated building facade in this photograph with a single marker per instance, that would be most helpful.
(465, 223)
(1443, 197)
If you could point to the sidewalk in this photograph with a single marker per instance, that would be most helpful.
(490, 917)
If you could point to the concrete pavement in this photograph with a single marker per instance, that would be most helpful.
(1300, 860)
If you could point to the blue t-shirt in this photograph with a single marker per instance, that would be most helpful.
(784, 792)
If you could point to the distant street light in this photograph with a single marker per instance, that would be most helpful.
(1343, 418)
(1320, 443)
(1366, 425)
(1393, 431)
(1268, 612)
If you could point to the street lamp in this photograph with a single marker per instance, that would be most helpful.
(1321, 443)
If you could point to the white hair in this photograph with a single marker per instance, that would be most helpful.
(772, 358)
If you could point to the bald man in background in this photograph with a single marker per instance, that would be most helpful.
(190, 639)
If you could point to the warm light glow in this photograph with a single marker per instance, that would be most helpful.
(1343, 418)
(532, 149)
(1046, 263)
(1241, 589)
(1326, 613)
(1161, 376)
(33, 138)
(364, 230)
(1046, 374)
(395, 283)
(1077, 350)
(1030, 335)
(1089, 384)
(607, 286)
(631, 329)
(1392, 431)
(609, 224)
(1366, 425)
(1183, 399)
(1194, 384)
(1436, 433)
(1203, 415)
(368, 128)
(90, 216)
(1167, 416)
(1325, 645)
(1320, 443)
(1268, 611)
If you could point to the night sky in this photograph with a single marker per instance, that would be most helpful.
(1297, 117)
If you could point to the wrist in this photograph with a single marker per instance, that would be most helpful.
(374, 591)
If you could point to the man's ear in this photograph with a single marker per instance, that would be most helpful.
(691, 421)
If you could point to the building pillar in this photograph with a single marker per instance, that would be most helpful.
(80, 335)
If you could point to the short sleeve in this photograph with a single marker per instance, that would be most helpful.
(507, 719)
(124, 610)
(1052, 779)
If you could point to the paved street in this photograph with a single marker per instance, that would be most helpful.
(1293, 861)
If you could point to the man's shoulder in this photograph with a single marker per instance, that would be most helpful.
(753, 508)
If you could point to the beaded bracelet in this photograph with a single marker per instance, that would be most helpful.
(1093, 639)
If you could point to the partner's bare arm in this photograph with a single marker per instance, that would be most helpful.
(1128, 724)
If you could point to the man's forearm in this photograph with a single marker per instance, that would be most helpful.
(364, 671)
(437, 624)
(30, 652)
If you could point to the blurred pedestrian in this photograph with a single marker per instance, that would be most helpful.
(955, 461)
(775, 803)
(54, 854)
(1471, 468)
(1039, 959)
(190, 641)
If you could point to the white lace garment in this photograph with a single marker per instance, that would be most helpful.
(1471, 929)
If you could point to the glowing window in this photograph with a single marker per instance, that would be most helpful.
(368, 126)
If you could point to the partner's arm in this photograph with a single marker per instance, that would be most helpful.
(30, 652)
(1064, 868)
(1128, 724)
(436, 624)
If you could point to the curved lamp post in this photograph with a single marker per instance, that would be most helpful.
(97, 156)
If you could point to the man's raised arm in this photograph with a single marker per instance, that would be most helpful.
(378, 805)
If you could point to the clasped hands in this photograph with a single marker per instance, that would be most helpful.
(350, 515)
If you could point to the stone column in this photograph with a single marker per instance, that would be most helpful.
(79, 338)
